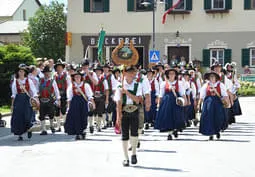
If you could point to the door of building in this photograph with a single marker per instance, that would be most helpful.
(182, 51)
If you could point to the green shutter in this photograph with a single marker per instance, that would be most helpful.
(245, 57)
(247, 4)
(228, 4)
(188, 4)
(130, 5)
(228, 56)
(106, 5)
(86, 6)
(169, 3)
(207, 4)
(206, 57)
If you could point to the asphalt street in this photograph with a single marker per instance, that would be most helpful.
(59, 155)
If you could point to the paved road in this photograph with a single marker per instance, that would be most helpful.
(101, 155)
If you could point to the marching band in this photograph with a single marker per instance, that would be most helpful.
(167, 98)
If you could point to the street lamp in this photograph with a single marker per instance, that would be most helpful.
(153, 3)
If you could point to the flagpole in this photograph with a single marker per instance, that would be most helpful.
(153, 31)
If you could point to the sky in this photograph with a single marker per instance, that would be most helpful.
(48, 1)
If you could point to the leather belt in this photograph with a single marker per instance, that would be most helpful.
(130, 108)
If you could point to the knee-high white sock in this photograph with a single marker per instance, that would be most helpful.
(43, 125)
(104, 120)
(64, 118)
(125, 149)
(134, 141)
(51, 123)
(58, 121)
(110, 117)
(90, 120)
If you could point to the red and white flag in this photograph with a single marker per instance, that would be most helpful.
(175, 4)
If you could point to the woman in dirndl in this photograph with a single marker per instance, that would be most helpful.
(151, 114)
(190, 90)
(22, 89)
(212, 94)
(79, 96)
(170, 116)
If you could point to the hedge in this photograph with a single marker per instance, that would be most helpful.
(10, 57)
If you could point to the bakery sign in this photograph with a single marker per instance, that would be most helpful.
(115, 40)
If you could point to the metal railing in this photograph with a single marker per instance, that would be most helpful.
(248, 77)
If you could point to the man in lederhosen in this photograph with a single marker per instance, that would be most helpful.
(127, 97)
(112, 85)
(90, 77)
(63, 80)
(101, 96)
(49, 95)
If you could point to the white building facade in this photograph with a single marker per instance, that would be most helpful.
(196, 29)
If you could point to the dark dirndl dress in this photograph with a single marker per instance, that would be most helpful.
(237, 111)
(170, 116)
(22, 114)
(190, 110)
(77, 116)
(151, 114)
(213, 116)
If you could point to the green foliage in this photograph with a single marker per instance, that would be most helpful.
(5, 109)
(46, 31)
(10, 57)
(247, 89)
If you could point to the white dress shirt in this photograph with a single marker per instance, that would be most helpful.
(163, 85)
(88, 91)
(32, 92)
(204, 87)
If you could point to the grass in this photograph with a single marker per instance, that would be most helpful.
(5, 109)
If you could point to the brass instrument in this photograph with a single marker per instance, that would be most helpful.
(179, 100)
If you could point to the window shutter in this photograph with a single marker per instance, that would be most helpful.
(245, 57)
(228, 4)
(228, 56)
(86, 6)
(188, 4)
(106, 5)
(206, 57)
(207, 4)
(247, 4)
(130, 5)
(169, 3)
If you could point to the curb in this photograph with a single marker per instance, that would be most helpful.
(6, 114)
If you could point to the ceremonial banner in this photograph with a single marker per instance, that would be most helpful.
(100, 46)
(175, 4)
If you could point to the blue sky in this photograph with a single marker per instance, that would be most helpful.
(48, 1)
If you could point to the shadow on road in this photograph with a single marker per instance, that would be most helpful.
(155, 150)
(159, 169)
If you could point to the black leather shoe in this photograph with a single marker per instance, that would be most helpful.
(218, 135)
(20, 138)
(210, 138)
(52, 130)
(91, 130)
(147, 126)
(77, 137)
(29, 135)
(169, 137)
(130, 149)
(83, 136)
(125, 163)
(138, 144)
(175, 133)
(133, 159)
(58, 130)
(43, 133)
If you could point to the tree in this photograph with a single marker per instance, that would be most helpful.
(46, 31)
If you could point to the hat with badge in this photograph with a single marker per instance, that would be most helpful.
(47, 69)
(131, 68)
(216, 63)
(59, 63)
(85, 62)
(98, 67)
(208, 74)
(23, 67)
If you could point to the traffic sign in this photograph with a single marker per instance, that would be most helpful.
(154, 56)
